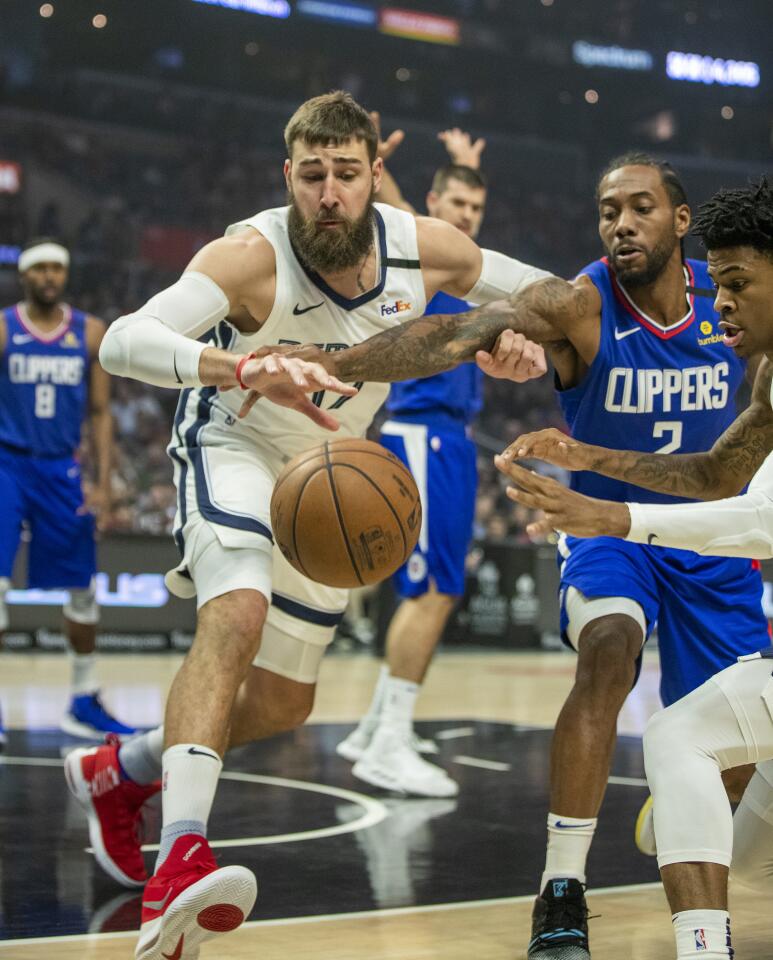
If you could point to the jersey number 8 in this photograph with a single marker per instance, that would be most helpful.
(45, 401)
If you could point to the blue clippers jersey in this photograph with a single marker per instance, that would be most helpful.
(457, 393)
(43, 386)
(654, 389)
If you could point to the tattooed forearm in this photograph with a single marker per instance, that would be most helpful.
(721, 472)
(429, 345)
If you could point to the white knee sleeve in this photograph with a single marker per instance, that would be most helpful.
(5, 586)
(581, 610)
(753, 837)
(82, 607)
(720, 725)
(295, 657)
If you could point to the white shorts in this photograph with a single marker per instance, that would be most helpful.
(223, 532)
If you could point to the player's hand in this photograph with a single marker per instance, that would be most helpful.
(286, 381)
(563, 509)
(387, 147)
(461, 148)
(99, 501)
(552, 446)
(513, 357)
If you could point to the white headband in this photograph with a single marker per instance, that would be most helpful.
(43, 253)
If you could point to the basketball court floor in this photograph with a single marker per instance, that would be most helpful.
(345, 871)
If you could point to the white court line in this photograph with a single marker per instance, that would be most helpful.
(628, 781)
(375, 811)
(454, 733)
(483, 764)
(332, 917)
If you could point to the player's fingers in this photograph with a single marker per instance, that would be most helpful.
(392, 142)
(319, 416)
(540, 528)
(249, 402)
(484, 360)
(527, 499)
(480, 145)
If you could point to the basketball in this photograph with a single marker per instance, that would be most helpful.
(346, 513)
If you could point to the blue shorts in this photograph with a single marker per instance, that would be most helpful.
(443, 462)
(47, 495)
(708, 609)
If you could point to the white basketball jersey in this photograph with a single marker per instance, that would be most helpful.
(307, 310)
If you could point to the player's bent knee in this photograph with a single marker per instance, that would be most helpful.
(5, 586)
(276, 704)
(82, 606)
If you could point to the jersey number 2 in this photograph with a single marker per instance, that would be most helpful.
(45, 401)
(664, 428)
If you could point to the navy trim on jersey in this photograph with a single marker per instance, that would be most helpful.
(337, 298)
(179, 416)
(300, 611)
(403, 264)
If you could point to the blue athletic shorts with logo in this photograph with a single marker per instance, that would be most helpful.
(708, 609)
(47, 495)
(443, 462)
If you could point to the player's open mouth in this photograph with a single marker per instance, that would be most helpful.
(731, 334)
(626, 253)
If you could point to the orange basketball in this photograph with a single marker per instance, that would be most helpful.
(346, 513)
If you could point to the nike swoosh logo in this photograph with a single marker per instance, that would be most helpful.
(652, 538)
(298, 310)
(622, 334)
(178, 951)
(571, 826)
(203, 753)
(174, 362)
(21, 338)
(157, 904)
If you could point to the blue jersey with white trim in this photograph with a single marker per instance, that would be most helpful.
(456, 393)
(44, 385)
(652, 388)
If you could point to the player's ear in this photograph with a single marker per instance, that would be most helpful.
(288, 170)
(682, 218)
(377, 170)
(431, 202)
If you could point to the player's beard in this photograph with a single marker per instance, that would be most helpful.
(44, 297)
(326, 250)
(656, 261)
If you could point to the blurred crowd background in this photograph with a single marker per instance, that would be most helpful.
(137, 132)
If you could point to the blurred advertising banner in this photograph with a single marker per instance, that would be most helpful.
(137, 610)
(171, 247)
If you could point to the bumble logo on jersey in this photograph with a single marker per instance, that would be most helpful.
(709, 337)
(70, 340)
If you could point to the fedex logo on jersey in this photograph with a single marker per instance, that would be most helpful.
(390, 309)
(689, 389)
(36, 368)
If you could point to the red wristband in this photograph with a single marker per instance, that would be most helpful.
(239, 368)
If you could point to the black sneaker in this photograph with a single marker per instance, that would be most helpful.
(559, 922)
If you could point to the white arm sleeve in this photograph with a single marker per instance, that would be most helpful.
(736, 527)
(501, 277)
(158, 343)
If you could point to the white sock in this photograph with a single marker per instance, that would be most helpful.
(190, 775)
(84, 673)
(569, 841)
(702, 935)
(399, 702)
(140, 757)
(369, 722)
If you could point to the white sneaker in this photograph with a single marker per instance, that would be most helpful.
(423, 744)
(353, 746)
(391, 762)
(645, 830)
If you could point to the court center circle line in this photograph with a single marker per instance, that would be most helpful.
(374, 810)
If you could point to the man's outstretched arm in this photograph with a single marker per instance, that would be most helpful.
(732, 527)
(720, 472)
(429, 345)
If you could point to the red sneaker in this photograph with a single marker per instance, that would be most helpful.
(191, 900)
(114, 808)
